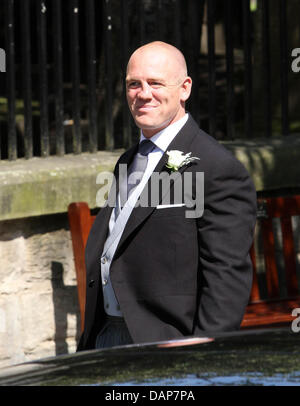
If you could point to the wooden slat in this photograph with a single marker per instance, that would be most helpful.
(80, 221)
(289, 256)
(270, 262)
(285, 208)
(255, 295)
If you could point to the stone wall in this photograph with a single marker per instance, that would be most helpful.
(39, 313)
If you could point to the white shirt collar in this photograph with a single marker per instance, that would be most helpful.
(163, 138)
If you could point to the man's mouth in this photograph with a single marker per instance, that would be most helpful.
(145, 107)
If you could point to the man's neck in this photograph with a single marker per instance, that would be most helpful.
(163, 138)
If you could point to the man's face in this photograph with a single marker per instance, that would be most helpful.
(155, 91)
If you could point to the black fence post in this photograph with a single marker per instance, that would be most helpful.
(177, 25)
(266, 67)
(230, 105)
(11, 83)
(26, 76)
(248, 68)
(109, 125)
(75, 72)
(141, 18)
(284, 67)
(43, 75)
(91, 74)
(193, 54)
(211, 67)
(58, 78)
(127, 141)
(160, 20)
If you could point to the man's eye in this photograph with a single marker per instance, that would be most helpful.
(132, 85)
(155, 85)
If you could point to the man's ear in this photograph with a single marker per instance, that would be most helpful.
(186, 88)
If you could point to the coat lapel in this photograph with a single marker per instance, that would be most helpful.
(125, 159)
(99, 229)
(181, 142)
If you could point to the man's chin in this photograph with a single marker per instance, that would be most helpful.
(147, 126)
(149, 132)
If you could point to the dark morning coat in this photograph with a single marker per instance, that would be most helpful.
(175, 276)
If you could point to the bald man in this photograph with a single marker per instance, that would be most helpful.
(168, 256)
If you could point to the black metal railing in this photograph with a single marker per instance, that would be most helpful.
(63, 90)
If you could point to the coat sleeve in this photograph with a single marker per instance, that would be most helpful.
(225, 235)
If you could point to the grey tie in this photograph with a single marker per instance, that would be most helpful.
(136, 170)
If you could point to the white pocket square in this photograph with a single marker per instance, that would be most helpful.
(168, 206)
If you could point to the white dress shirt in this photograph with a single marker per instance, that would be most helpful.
(162, 140)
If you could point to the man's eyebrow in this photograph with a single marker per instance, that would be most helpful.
(161, 80)
(133, 79)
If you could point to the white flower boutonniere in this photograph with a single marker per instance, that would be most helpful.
(177, 159)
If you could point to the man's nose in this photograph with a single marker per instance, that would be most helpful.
(145, 91)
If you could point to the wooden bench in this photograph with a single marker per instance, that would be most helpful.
(273, 309)
(263, 310)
